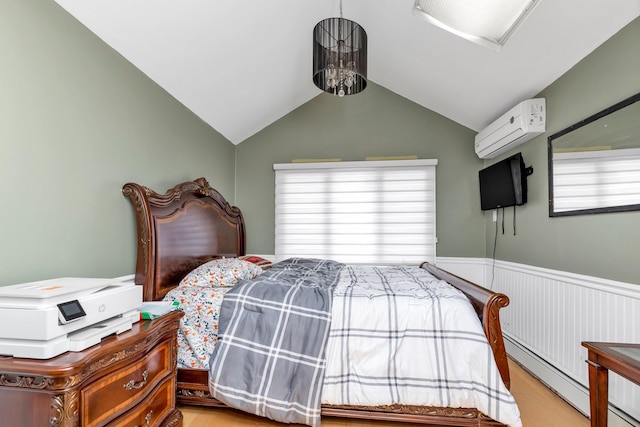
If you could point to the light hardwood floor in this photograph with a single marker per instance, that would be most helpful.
(539, 407)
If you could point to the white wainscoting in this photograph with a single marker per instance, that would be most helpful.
(550, 313)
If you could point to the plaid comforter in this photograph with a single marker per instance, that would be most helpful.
(400, 336)
(391, 335)
(269, 359)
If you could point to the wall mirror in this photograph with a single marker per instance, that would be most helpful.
(594, 165)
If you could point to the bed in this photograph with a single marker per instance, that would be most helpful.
(192, 224)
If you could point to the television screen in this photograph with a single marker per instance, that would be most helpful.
(504, 183)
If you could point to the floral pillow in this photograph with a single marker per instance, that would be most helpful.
(221, 272)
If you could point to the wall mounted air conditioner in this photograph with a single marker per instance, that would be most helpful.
(518, 125)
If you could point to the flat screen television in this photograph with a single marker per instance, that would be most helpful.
(504, 183)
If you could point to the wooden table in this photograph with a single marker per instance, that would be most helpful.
(623, 359)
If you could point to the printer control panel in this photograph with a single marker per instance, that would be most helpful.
(70, 311)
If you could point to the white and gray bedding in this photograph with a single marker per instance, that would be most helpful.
(273, 330)
(400, 336)
(386, 335)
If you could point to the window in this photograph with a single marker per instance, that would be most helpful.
(369, 212)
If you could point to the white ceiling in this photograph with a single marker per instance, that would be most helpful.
(242, 65)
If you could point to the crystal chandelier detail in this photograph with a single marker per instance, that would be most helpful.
(339, 56)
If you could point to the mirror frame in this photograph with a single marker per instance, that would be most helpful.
(612, 109)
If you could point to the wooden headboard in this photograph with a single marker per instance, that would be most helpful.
(172, 243)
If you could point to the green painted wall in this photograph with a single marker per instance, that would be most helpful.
(602, 245)
(77, 121)
(376, 122)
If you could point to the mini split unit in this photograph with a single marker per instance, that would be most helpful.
(518, 125)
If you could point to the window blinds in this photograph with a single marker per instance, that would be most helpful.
(596, 179)
(370, 212)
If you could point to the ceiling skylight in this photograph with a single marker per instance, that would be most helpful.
(488, 23)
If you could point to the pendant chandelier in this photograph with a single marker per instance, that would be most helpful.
(339, 56)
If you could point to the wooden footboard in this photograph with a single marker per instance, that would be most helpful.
(487, 304)
(193, 390)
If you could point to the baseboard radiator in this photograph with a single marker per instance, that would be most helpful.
(551, 312)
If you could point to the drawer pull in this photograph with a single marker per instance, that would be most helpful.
(132, 385)
(147, 419)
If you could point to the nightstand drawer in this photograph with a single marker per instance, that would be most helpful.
(110, 396)
(152, 410)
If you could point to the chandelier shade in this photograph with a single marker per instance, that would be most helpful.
(339, 56)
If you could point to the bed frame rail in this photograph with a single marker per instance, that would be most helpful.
(487, 305)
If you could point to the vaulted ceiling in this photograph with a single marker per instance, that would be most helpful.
(242, 65)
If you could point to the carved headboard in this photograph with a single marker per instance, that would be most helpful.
(177, 231)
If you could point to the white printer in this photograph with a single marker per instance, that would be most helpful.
(43, 319)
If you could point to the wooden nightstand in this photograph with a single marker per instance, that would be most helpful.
(126, 380)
